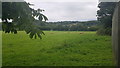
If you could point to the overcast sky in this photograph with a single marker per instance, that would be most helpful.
(67, 10)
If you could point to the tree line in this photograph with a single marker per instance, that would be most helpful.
(69, 25)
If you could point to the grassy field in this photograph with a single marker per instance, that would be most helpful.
(57, 48)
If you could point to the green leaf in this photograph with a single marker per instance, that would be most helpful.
(45, 18)
(31, 35)
(35, 36)
(40, 17)
(15, 31)
(39, 35)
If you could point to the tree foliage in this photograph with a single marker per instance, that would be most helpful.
(104, 16)
(21, 16)
(69, 25)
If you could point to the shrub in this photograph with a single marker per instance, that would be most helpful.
(104, 31)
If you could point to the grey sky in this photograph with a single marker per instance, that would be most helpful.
(71, 10)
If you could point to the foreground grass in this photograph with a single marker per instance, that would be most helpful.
(57, 48)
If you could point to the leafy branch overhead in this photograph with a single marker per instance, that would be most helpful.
(19, 15)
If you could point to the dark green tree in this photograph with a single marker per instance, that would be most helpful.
(104, 16)
(22, 17)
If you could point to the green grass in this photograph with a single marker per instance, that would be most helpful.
(57, 48)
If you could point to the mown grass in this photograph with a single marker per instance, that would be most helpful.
(57, 48)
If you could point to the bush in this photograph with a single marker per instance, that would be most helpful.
(105, 31)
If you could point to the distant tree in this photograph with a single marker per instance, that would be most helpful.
(22, 17)
(104, 16)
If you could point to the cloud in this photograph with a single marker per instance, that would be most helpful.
(68, 11)
(12, 0)
(61, 0)
(109, 0)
